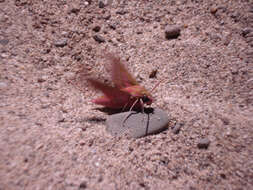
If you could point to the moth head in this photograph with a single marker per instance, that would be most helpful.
(147, 99)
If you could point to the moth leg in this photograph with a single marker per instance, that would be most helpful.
(142, 110)
(126, 104)
(123, 123)
(134, 104)
(142, 105)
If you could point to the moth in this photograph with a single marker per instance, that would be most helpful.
(126, 93)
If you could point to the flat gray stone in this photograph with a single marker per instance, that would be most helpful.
(137, 124)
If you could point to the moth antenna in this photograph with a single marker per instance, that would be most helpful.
(157, 84)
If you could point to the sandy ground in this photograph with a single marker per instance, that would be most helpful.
(53, 137)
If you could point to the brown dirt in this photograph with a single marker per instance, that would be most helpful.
(52, 137)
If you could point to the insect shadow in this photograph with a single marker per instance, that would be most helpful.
(93, 119)
(146, 111)
(109, 111)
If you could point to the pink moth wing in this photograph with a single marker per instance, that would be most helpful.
(126, 90)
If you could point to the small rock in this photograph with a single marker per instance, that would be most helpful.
(121, 12)
(46, 51)
(61, 42)
(61, 119)
(251, 43)
(64, 34)
(224, 119)
(40, 80)
(172, 32)
(107, 17)
(139, 32)
(100, 178)
(251, 9)
(112, 26)
(236, 16)
(215, 37)
(177, 128)
(203, 143)
(249, 39)
(153, 73)
(249, 34)
(223, 175)
(86, 3)
(213, 10)
(83, 185)
(74, 10)
(4, 42)
(4, 55)
(137, 124)
(246, 31)
(101, 4)
(96, 28)
(3, 85)
(25, 160)
(99, 38)
(227, 40)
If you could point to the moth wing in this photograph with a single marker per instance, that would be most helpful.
(119, 74)
(113, 97)
(103, 100)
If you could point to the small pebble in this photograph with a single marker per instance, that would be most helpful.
(249, 39)
(177, 128)
(40, 80)
(46, 51)
(153, 73)
(137, 124)
(96, 28)
(121, 12)
(246, 31)
(101, 4)
(213, 10)
(249, 34)
(4, 42)
(234, 15)
(99, 38)
(3, 85)
(203, 143)
(172, 32)
(4, 55)
(113, 26)
(74, 10)
(61, 42)
(83, 185)
(25, 160)
(61, 119)
(223, 175)
(251, 9)
(107, 17)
